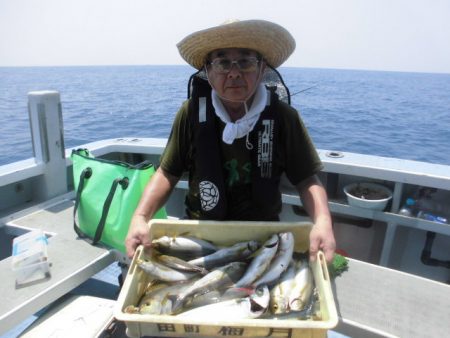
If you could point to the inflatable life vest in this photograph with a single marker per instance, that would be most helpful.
(208, 159)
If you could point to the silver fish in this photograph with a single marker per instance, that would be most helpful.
(234, 309)
(280, 262)
(223, 256)
(183, 247)
(216, 296)
(279, 294)
(157, 299)
(260, 263)
(211, 297)
(310, 311)
(217, 279)
(164, 273)
(178, 263)
(303, 286)
(150, 302)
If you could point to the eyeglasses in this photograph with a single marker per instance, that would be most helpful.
(245, 64)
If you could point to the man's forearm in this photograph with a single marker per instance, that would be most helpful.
(315, 200)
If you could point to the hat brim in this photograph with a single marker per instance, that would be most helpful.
(272, 41)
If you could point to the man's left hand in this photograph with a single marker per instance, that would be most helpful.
(322, 238)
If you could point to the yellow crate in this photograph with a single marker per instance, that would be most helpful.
(224, 234)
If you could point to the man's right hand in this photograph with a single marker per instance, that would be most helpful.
(138, 234)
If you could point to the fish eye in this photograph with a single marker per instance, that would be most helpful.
(259, 291)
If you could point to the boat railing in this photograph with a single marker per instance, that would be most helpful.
(48, 174)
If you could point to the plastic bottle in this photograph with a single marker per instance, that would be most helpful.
(424, 207)
(428, 208)
(431, 217)
(408, 208)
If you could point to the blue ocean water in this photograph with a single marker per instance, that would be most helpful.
(392, 114)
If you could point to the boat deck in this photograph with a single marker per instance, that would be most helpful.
(371, 301)
(388, 302)
(73, 261)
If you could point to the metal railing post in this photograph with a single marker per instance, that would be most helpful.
(46, 125)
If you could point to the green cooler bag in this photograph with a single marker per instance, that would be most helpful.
(108, 193)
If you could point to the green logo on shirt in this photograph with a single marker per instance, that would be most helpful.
(233, 176)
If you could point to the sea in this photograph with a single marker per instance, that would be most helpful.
(390, 114)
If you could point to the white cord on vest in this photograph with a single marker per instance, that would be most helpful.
(247, 142)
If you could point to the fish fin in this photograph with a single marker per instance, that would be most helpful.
(209, 241)
(183, 234)
(173, 298)
(177, 302)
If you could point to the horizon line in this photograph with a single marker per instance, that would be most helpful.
(188, 66)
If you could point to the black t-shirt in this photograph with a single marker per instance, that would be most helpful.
(295, 156)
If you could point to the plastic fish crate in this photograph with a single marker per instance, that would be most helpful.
(225, 234)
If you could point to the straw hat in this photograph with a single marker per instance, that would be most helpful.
(272, 41)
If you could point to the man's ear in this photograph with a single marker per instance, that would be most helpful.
(263, 66)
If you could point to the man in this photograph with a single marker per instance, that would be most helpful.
(236, 137)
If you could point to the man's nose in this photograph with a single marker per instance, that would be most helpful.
(234, 71)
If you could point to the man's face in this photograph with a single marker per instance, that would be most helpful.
(235, 73)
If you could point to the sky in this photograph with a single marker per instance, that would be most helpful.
(392, 35)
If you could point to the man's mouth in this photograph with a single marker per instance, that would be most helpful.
(234, 86)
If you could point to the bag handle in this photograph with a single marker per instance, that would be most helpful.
(101, 225)
(86, 174)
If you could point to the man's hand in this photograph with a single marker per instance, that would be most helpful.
(321, 237)
(155, 195)
(315, 201)
(138, 234)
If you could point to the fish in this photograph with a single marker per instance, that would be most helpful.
(260, 262)
(178, 263)
(241, 308)
(210, 297)
(153, 307)
(310, 311)
(217, 279)
(280, 262)
(223, 256)
(150, 302)
(157, 299)
(131, 309)
(303, 286)
(164, 273)
(279, 294)
(216, 296)
(183, 246)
